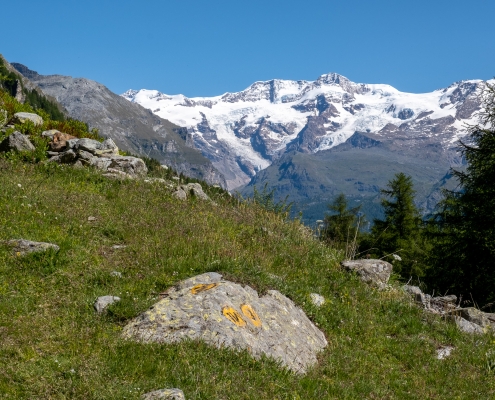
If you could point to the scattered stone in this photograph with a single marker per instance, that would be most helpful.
(180, 194)
(23, 246)
(130, 165)
(468, 327)
(225, 314)
(91, 219)
(23, 117)
(472, 315)
(444, 352)
(67, 157)
(96, 148)
(196, 190)
(119, 246)
(450, 299)
(415, 291)
(317, 299)
(16, 142)
(103, 302)
(371, 271)
(164, 394)
(116, 274)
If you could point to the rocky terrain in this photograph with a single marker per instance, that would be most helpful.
(132, 127)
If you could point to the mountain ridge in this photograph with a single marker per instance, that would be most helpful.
(253, 127)
(131, 126)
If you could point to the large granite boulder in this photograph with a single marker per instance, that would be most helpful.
(22, 246)
(226, 314)
(371, 271)
(23, 117)
(16, 142)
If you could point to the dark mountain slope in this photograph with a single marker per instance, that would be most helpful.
(130, 125)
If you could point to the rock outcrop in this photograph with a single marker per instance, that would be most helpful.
(469, 320)
(16, 142)
(23, 117)
(103, 156)
(22, 247)
(371, 271)
(191, 189)
(223, 313)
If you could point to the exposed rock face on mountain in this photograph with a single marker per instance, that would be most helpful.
(131, 126)
(315, 139)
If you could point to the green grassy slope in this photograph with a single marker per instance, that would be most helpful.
(54, 346)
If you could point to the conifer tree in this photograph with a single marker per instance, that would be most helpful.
(340, 225)
(464, 239)
(398, 235)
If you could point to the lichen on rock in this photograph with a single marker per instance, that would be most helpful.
(226, 314)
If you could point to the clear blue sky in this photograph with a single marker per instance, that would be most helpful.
(206, 48)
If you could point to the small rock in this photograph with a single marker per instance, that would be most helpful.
(196, 190)
(67, 157)
(371, 271)
(16, 142)
(452, 298)
(317, 299)
(416, 292)
(164, 166)
(23, 247)
(444, 352)
(23, 117)
(91, 219)
(119, 246)
(94, 147)
(468, 327)
(472, 315)
(130, 165)
(180, 194)
(164, 394)
(116, 274)
(103, 302)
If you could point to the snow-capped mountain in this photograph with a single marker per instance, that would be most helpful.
(243, 133)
